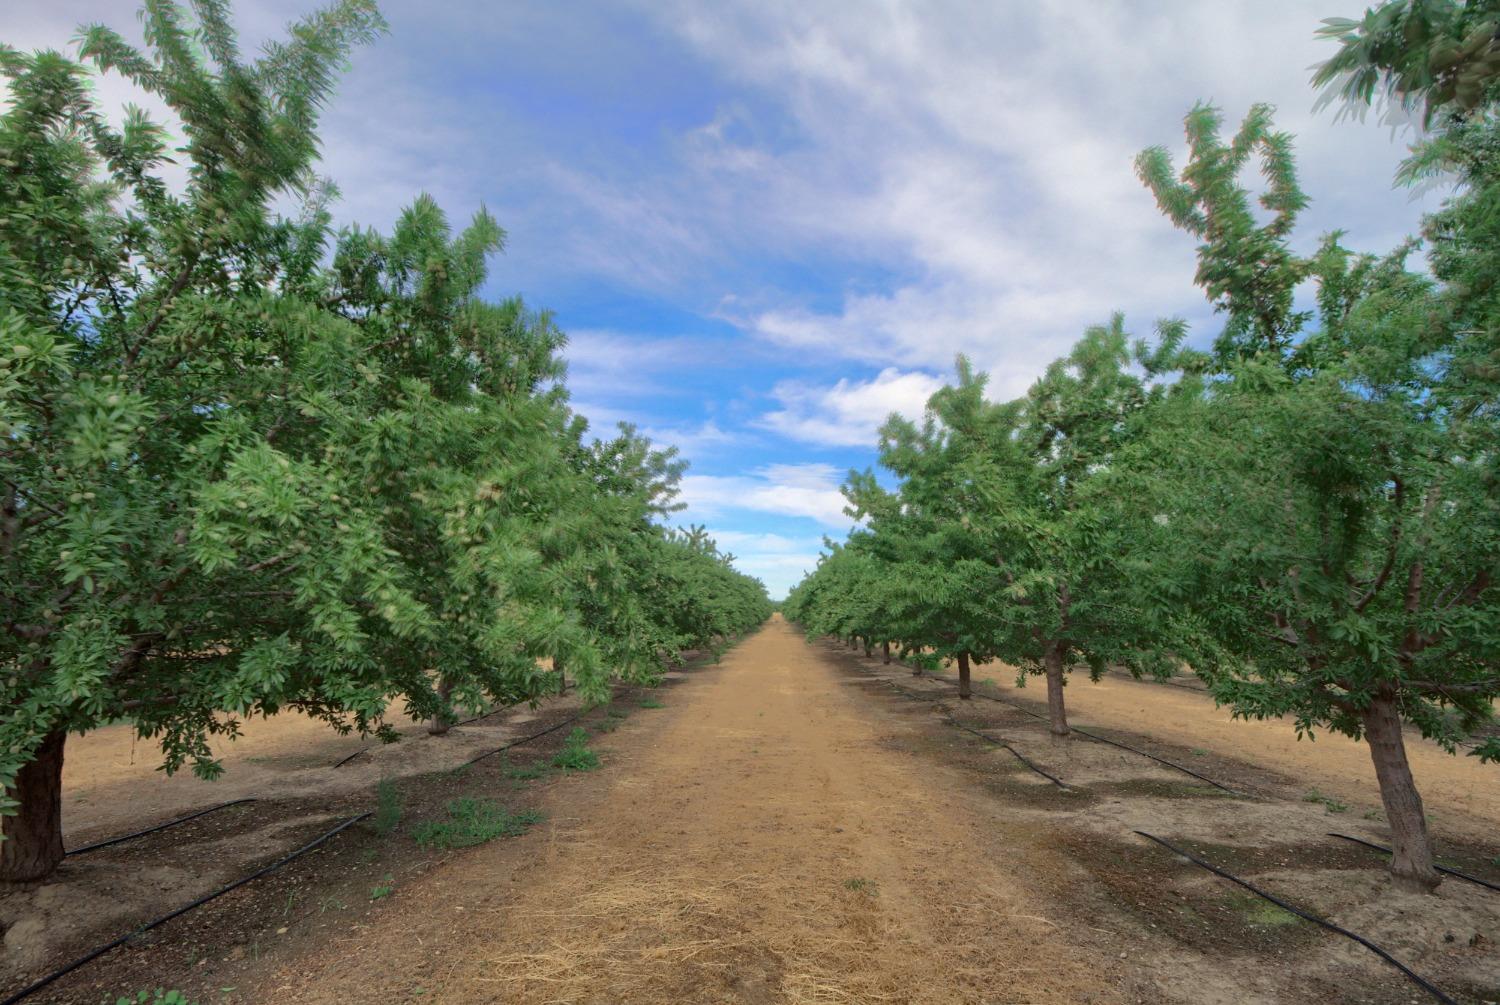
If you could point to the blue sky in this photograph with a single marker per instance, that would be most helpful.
(767, 224)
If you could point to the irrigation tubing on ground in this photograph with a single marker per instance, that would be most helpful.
(1014, 752)
(1102, 739)
(159, 827)
(1412, 975)
(345, 760)
(969, 729)
(464, 722)
(89, 957)
(1439, 868)
(525, 739)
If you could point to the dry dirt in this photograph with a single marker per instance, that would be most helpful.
(759, 845)
(1461, 794)
(796, 825)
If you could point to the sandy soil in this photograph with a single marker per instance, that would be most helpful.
(758, 843)
(1461, 794)
(112, 780)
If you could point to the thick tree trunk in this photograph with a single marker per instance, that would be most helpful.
(1057, 712)
(963, 675)
(1411, 863)
(886, 648)
(33, 845)
(869, 652)
(443, 721)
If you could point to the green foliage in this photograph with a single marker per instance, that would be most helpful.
(576, 755)
(253, 464)
(651, 702)
(384, 888)
(1328, 803)
(156, 997)
(471, 822)
(387, 806)
(1308, 516)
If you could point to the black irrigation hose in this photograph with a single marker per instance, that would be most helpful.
(1439, 868)
(345, 760)
(485, 715)
(1372, 947)
(159, 827)
(92, 955)
(1014, 752)
(950, 720)
(1103, 739)
(517, 743)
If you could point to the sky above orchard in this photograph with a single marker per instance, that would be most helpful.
(765, 225)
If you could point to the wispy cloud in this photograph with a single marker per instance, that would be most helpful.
(788, 490)
(848, 413)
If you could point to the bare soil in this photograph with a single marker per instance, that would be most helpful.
(1461, 795)
(797, 824)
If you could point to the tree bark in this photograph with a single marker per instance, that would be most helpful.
(33, 844)
(443, 721)
(886, 648)
(1411, 861)
(1057, 712)
(963, 675)
(869, 652)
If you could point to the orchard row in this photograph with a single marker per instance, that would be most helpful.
(1307, 514)
(253, 464)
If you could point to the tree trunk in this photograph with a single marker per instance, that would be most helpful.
(869, 652)
(33, 844)
(963, 675)
(1411, 861)
(886, 648)
(1057, 712)
(443, 721)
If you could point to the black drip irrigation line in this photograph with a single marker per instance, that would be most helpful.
(516, 743)
(345, 760)
(1439, 868)
(484, 715)
(1013, 751)
(1102, 739)
(159, 827)
(950, 720)
(1413, 976)
(92, 955)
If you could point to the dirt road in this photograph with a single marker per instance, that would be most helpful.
(761, 843)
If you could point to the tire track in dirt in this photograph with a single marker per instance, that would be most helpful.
(758, 844)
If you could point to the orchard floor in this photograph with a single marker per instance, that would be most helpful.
(1460, 793)
(786, 827)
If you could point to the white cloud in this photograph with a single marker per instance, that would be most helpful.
(777, 560)
(849, 413)
(793, 490)
(986, 157)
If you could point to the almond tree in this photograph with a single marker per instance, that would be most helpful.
(1315, 527)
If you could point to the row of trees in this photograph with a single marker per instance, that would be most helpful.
(1307, 514)
(251, 463)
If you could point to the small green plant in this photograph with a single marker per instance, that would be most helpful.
(157, 997)
(1373, 815)
(524, 773)
(617, 713)
(1330, 804)
(858, 884)
(1200, 752)
(384, 888)
(471, 822)
(576, 755)
(650, 702)
(387, 807)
